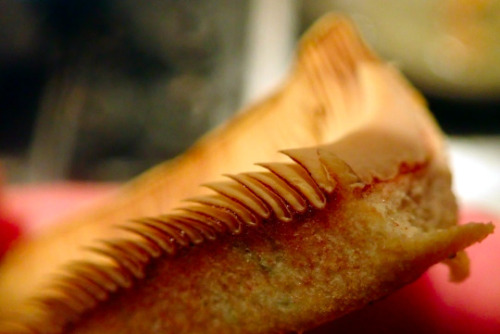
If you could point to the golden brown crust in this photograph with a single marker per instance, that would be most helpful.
(323, 263)
(363, 208)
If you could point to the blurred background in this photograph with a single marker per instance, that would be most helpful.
(102, 90)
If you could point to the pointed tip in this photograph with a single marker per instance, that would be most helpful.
(334, 32)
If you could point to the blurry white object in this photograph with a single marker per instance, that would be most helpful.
(476, 167)
(271, 40)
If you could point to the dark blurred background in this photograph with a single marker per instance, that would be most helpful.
(101, 90)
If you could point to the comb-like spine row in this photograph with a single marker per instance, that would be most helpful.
(247, 199)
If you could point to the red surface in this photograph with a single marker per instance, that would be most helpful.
(37, 206)
(9, 232)
(430, 305)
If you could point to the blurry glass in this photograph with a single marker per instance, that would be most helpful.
(124, 84)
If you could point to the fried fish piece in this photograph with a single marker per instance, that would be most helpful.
(350, 201)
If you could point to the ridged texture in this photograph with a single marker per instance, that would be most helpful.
(318, 103)
(356, 124)
(244, 201)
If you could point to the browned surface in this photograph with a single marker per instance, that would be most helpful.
(365, 208)
(291, 276)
